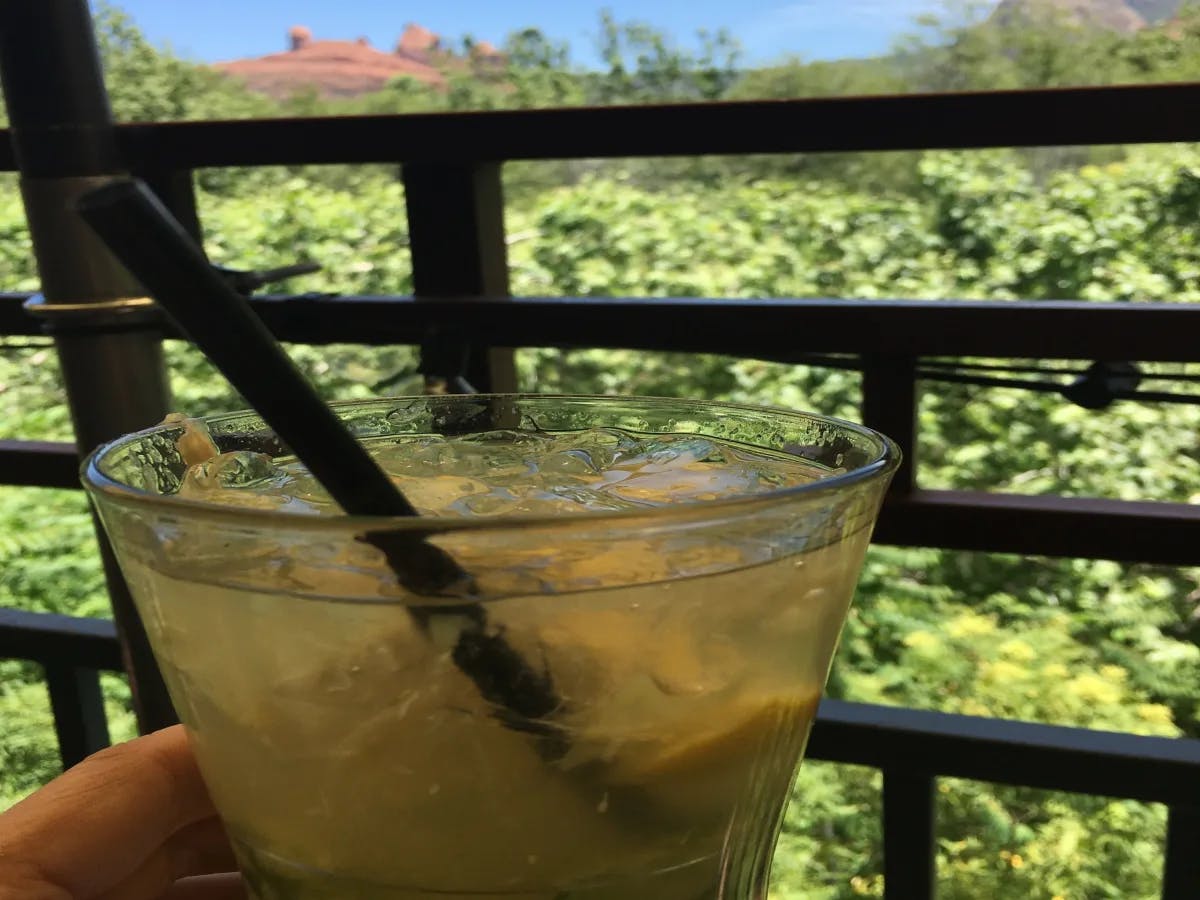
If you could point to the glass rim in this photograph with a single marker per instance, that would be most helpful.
(882, 463)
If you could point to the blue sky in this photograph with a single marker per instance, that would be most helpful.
(815, 29)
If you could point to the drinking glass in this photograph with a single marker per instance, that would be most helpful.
(686, 642)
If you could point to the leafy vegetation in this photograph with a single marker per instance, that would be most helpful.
(1073, 642)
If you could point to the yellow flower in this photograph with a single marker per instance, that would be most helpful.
(920, 639)
(1017, 650)
(1094, 689)
(970, 625)
(1155, 713)
(1003, 672)
(1016, 861)
(1114, 673)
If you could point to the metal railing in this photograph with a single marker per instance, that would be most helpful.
(450, 164)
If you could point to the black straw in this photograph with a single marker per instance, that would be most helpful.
(161, 255)
(144, 236)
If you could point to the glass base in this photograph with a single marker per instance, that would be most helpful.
(270, 878)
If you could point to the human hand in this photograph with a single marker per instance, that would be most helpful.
(133, 822)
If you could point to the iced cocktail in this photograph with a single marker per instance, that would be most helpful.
(676, 573)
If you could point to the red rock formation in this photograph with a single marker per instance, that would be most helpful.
(418, 43)
(1178, 28)
(486, 50)
(1157, 11)
(1109, 15)
(331, 68)
(299, 36)
(486, 61)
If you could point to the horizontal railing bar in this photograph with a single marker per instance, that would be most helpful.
(54, 640)
(15, 320)
(39, 464)
(1122, 114)
(777, 329)
(1002, 751)
(1109, 764)
(1162, 533)
(1044, 525)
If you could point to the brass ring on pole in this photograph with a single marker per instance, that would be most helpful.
(127, 312)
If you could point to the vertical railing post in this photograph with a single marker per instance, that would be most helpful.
(110, 354)
(176, 188)
(889, 404)
(456, 236)
(78, 707)
(909, 860)
(1181, 869)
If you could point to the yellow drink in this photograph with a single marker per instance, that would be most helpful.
(684, 614)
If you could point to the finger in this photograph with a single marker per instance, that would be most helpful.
(198, 849)
(96, 823)
(209, 887)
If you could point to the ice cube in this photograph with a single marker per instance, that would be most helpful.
(235, 469)
(573, 461)
(657, 455)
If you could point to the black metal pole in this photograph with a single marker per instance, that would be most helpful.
(112, 364)
(456, 236)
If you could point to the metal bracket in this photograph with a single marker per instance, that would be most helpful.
(1103, 383)
(248, 282)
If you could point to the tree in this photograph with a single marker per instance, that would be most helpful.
(146, 84)
(964, 51)
(643, 66)
(540, 71)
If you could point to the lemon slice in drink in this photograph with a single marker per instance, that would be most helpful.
(696, 769)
